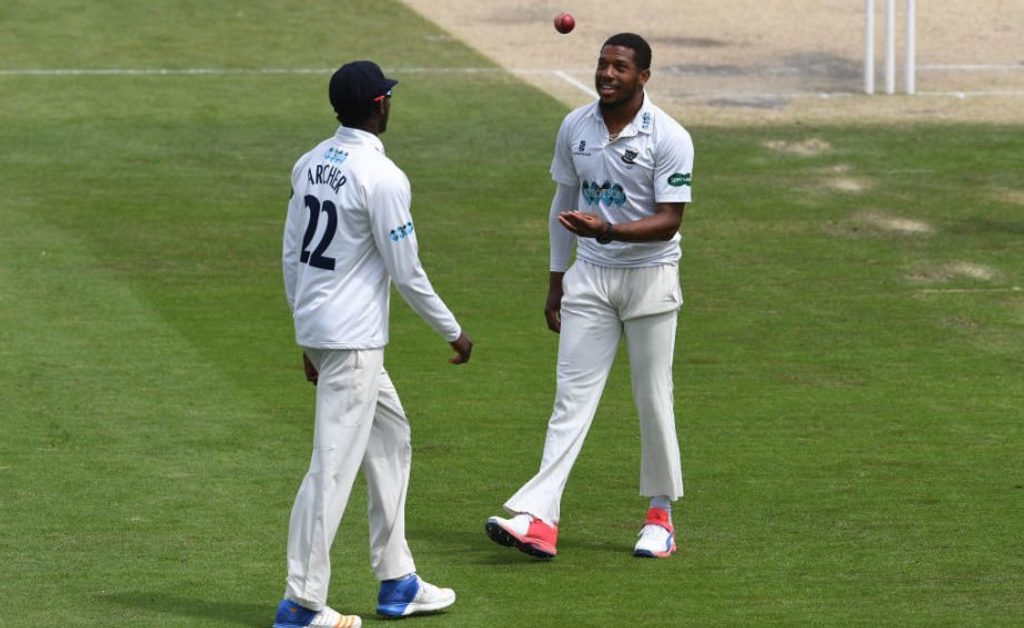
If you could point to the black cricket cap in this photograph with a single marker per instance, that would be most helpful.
(355, 86)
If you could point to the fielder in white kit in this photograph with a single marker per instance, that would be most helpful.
(348, 235)
(626, 166)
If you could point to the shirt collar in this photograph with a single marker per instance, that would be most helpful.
(643, 122)
(360, 136)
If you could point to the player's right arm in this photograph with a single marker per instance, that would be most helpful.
(292, 240)
(560, 240)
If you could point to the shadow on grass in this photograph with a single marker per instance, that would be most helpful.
(233, 613)
(478, 549)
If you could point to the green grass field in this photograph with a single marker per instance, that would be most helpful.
(849, 395)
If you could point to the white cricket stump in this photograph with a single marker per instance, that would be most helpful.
(889, 46)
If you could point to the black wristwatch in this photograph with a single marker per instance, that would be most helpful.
(605, 237)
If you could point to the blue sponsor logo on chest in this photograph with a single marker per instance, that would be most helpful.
(606, 193)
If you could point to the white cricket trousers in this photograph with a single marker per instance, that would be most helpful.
(599, 305)
(359, 423)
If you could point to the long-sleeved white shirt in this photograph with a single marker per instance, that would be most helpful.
(348, 234)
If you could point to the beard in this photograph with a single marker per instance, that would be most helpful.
(617, 94)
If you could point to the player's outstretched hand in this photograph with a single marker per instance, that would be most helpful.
(311, 373)
(463, 346)
(582, 224)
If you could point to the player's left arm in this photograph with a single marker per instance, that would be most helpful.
(394, 234)
(292, 241)
(290, 253)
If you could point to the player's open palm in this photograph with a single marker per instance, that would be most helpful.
(581, 223)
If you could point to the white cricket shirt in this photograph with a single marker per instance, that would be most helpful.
(348, 234)
(620, 180)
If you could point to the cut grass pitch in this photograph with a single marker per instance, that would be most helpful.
(851, 422)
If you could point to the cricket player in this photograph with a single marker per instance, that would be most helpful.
(626, 167)
(348, 235)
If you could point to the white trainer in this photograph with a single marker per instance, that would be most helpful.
(657, 538)
(520, 524)
(411, 595)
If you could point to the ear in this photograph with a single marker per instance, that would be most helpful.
(645, 75)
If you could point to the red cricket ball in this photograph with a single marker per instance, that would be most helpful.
(564, 22)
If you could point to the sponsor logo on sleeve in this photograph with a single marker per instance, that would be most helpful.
(679, 179)
(401, 232)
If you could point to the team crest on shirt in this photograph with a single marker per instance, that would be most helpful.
(645, 121)
(401, 232)
(629, 157)
(606, 193)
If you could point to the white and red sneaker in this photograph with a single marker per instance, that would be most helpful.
(526, 533)
(658, 536)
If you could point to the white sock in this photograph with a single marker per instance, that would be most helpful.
(662, 502)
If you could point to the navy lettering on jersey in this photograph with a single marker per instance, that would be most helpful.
(326, 175)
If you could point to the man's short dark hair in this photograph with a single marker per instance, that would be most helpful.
(639, 46)
(355, 118)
